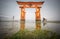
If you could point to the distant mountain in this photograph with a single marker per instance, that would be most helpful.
(2, 18)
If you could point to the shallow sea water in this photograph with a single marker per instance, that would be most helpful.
(9, 28)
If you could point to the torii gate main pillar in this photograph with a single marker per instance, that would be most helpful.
(24, 5)
(22, 14)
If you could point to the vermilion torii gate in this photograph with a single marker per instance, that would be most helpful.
(24, 5)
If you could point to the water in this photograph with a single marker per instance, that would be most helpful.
(30, 25)
(9, 28)
(55, 27)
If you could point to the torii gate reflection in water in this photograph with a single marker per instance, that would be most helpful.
(24, 5)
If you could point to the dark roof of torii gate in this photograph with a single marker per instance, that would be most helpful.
(39, 3)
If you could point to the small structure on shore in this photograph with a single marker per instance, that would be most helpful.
(44, 21)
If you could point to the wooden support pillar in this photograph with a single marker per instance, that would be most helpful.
(38, 16)
(22, 25)
(38, 19)
(23, 14)
(22, 21)
(38, 25)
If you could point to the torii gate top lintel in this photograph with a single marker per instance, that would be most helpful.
(39, 3)
(30, 4)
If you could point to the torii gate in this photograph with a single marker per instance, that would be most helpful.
(24, 5)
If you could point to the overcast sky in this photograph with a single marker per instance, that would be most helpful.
(50, 9)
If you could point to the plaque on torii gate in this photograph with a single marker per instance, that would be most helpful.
(24, 5)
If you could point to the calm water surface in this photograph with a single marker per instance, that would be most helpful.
(9, 28)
